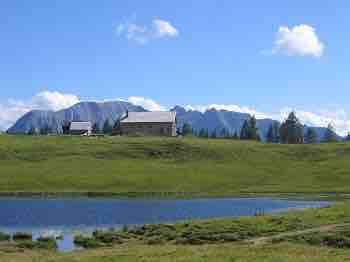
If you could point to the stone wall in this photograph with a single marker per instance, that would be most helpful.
(149, 129)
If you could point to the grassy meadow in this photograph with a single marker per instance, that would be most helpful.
(210, 167)
(285, 252)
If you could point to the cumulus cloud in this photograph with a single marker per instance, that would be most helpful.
(300, 40)
(53, 100)
(146, 103)
(159, 29)
(11, 109)
(162, 28)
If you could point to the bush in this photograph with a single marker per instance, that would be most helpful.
(41, 243)
(4, 237)
(87, 242)
(19, 236)
(27, 244)
(46, 243)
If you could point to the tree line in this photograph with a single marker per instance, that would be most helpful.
(290, 131)
(107, 128)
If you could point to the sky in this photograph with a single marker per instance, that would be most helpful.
(263, 57)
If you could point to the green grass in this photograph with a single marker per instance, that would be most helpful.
(285, 252)
(222, 230)
(139, 248)
(169, 165)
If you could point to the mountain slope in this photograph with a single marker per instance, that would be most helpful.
(216, 120)
(211, 120)
(85, 111)
(232, 121)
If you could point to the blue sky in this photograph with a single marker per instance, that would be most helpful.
(269, 56)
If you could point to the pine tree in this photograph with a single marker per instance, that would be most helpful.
(253, 130)
(347, 138)
(249, 130)
(66, 127)
(224, 133)
(32, 131)
(244, 131)
(107, 127)
(235, 136)
(213, 134)
(187, 130)
(202, 133)
(206, 133)
(330, 135)
(95, 129)
(291, 130)
(311, 136)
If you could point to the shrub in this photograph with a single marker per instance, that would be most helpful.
(19, 236)
(4, 237)
(87, 242)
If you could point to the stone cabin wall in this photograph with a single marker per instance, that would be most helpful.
(149, 129)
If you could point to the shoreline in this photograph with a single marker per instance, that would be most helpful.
(175, 195)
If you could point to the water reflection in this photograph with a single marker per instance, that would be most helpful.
(75, 216)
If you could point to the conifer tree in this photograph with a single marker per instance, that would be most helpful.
(187, 130)
(291, 130)
(244, 131)
(249, 130)
(330, 135)
(32, 131)
(95, 129)
(213, 134)
(66, 127)
(347, 138)
(235, 135)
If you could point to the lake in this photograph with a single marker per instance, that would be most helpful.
(70, 216)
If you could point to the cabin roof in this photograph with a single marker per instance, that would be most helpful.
(80, 126)
(150, 117)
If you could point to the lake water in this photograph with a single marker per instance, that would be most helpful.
(71, 216)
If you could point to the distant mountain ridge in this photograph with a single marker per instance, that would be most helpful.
(85, 111)
(96, 112)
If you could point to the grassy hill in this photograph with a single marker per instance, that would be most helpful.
(169, 165)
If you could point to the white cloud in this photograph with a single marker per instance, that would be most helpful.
(300, 40)
(11, 110)
(53, 100)
(163, 28)
(146, 103)
(142, 34)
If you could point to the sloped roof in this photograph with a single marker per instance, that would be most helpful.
(150, 117)
(80, 126)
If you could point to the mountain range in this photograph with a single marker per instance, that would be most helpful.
(97, 112)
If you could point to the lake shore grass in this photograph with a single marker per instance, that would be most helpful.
(169, 167)
(209, 240)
